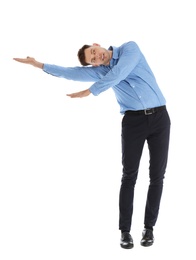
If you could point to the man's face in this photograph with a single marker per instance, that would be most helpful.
(96, 55)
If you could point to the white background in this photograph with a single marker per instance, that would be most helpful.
(60, 161)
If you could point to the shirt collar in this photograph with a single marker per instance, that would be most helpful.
(114, 55)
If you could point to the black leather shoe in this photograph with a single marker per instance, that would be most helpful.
(147, 237)
(126, 240)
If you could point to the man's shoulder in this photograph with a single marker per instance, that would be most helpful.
(129, 44)
(128, 47)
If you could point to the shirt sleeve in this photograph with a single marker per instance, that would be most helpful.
(129, 57)
(84, 74)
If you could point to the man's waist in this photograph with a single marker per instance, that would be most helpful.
(148, 111)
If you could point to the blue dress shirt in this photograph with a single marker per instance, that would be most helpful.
(128, 74)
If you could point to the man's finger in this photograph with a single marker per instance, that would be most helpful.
(73, 95)
(80, 94)
(24, 60)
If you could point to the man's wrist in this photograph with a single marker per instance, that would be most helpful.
(39, 65)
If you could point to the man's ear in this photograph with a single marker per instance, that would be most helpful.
(96, 44)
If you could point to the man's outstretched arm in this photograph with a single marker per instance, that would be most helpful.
(30, 61)
(37, 64)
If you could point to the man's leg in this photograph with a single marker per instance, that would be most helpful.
(158, 143)
(133, 137)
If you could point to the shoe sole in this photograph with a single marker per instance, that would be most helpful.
(129, 246)
(146, 245)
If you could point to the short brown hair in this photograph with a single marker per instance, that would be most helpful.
(81, 55)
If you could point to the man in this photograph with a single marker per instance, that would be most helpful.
(145, 118)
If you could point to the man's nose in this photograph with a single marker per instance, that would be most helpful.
(97, 55)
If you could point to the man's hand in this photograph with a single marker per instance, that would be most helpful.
(31, 61)
(80, 94)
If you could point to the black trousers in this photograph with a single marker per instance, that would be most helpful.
(136, 129)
